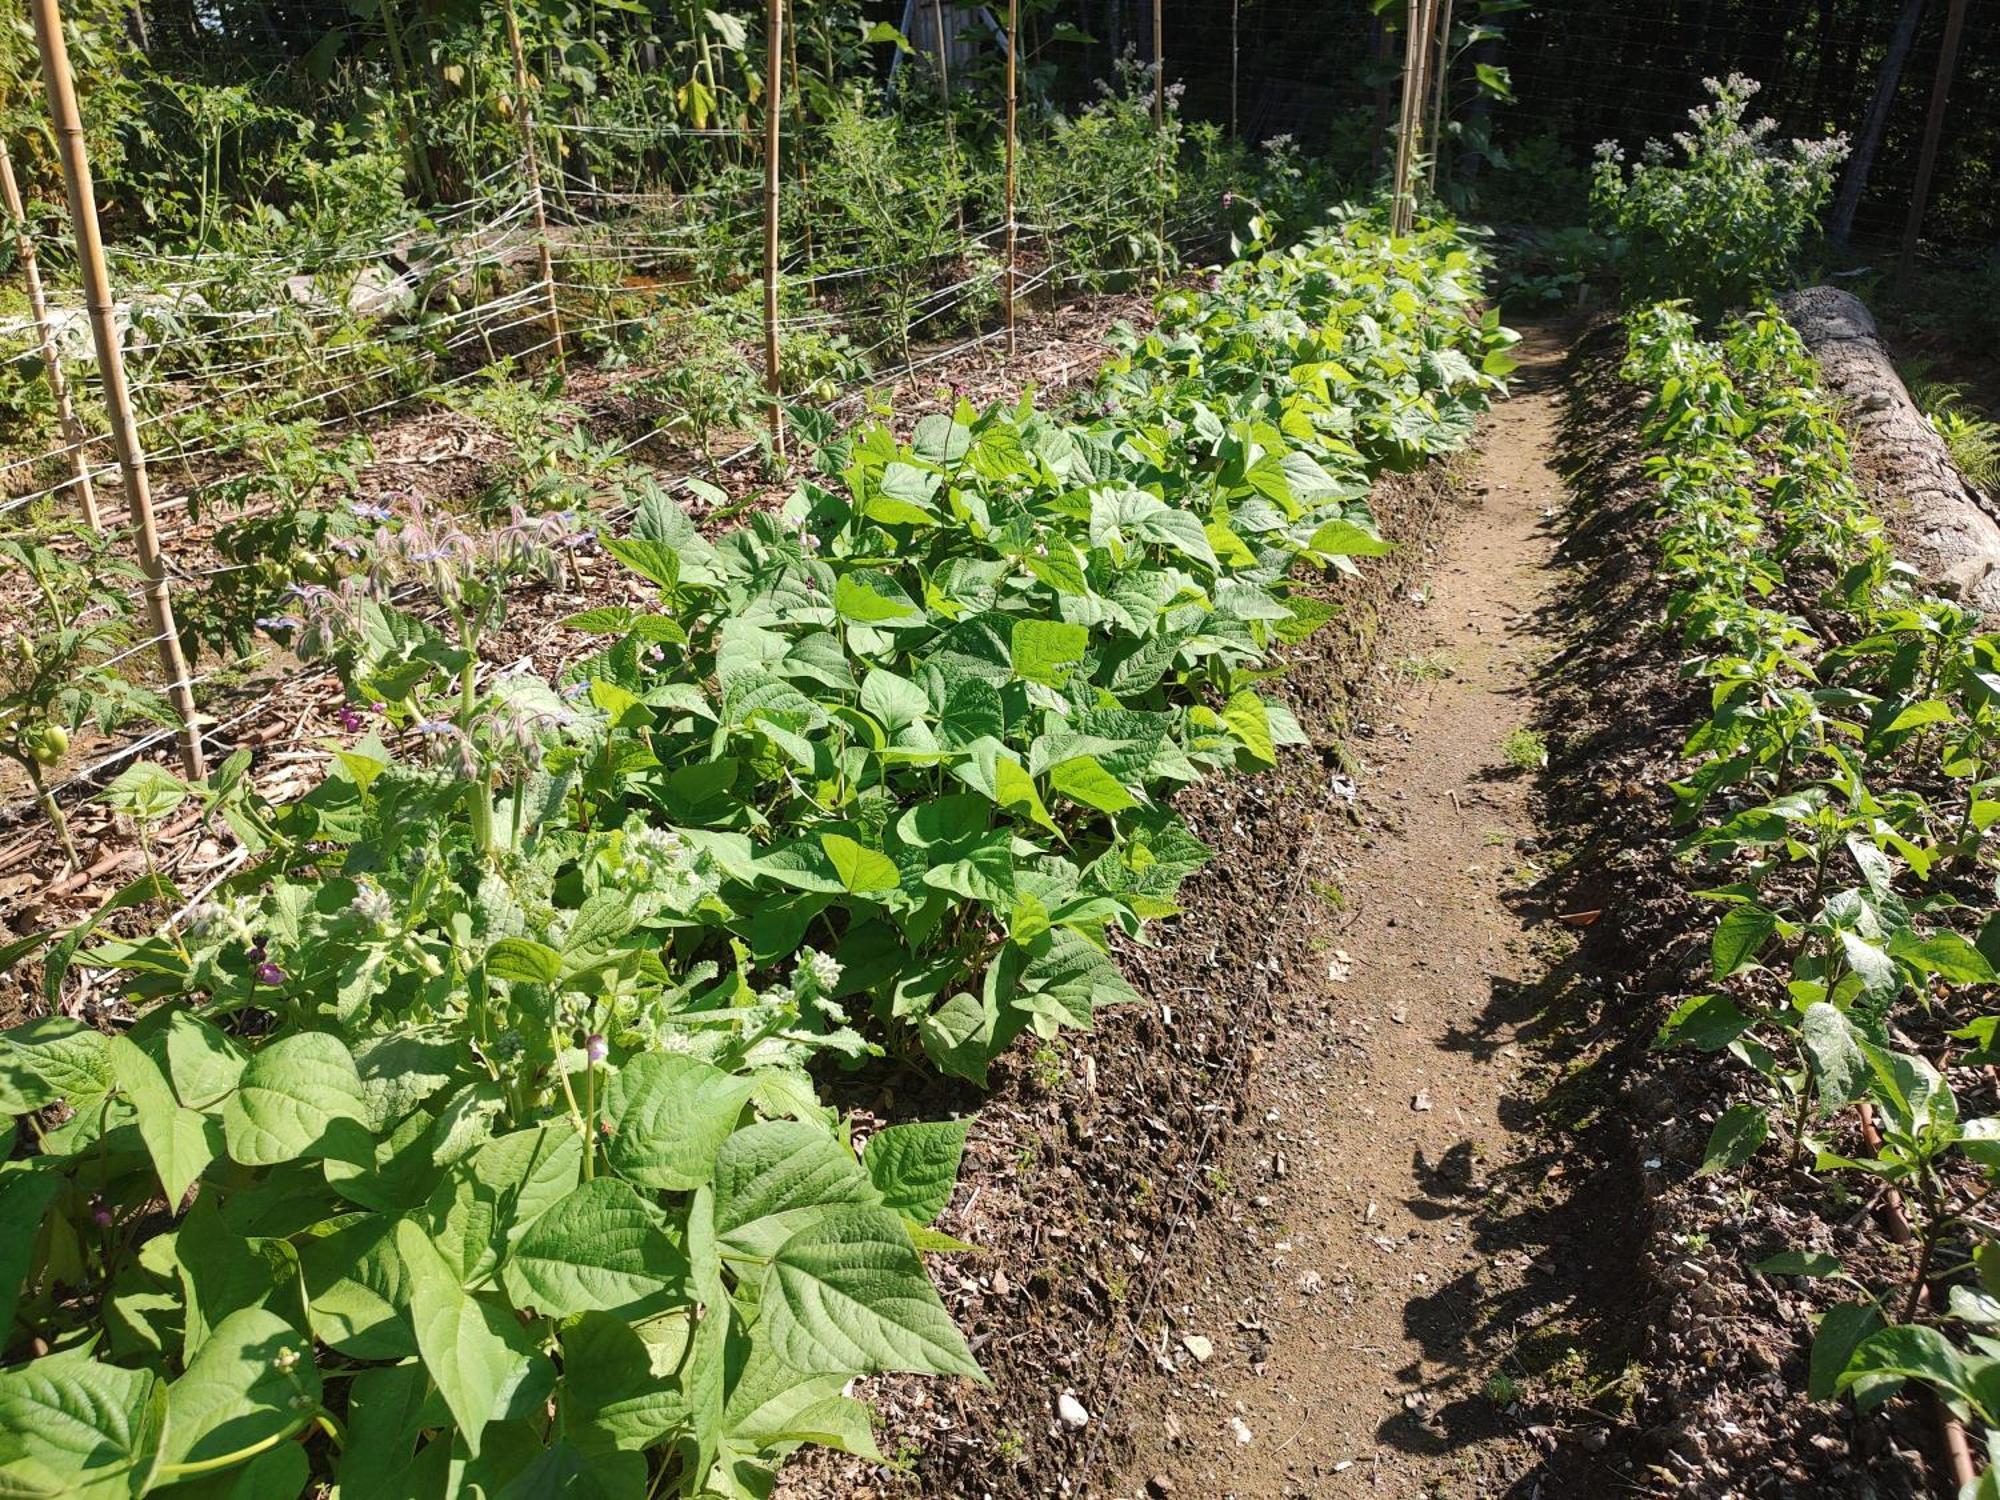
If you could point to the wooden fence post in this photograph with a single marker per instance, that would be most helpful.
(38, 305)
(774, 95)
(68, 123)
(524, 118)
(1920, 191)
(1013, 39)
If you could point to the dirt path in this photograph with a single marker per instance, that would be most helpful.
(1366, 1295)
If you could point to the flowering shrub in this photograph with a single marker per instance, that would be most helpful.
(1724, 224)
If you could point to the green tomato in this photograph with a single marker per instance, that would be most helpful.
(48, 744)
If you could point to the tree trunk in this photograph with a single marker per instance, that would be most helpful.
(1855, 181)
(1822, 104)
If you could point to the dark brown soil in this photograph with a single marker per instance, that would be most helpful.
(1718, 1404)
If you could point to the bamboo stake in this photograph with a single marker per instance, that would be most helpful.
(524, 119)
(1013, 36)
(1920, 192)
(1160, 136)
(1159, 68)
(1235, 58)
(68, 124)
(38, 304)
(1420, 99)
(1416, 55)
(1400, 172)
(774, 60)
(1439, 90)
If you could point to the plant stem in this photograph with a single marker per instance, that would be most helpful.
(54, 813)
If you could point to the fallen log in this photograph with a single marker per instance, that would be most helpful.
(1941, 523)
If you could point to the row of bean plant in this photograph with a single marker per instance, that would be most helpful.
(1841, 795)
(474, 1134)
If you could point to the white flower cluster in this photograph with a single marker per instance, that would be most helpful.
(373, 905)
(236, 919)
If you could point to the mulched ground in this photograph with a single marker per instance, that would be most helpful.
(287, 713)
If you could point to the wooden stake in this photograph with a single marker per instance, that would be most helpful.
(74, 440)
(1013, 37)
(1440, 89)
(524, 119)
(1159, 68)
(1420, 100)
(1160, 135)
(1920, 192)
(1235, 55)
(68, 124)
(1400, 173)
(1416, 57)
(774, 61)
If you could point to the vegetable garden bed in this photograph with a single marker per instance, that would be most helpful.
(1774, 1264)
(474, 1126)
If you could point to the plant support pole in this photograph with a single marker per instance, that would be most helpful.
(774, 100)
(1416, 94)
(1440, 88)
(1399, 180)
(1420, 103)
(1013, 37)
(1159, 67)
(68, 124)
(524, 118)
(1235, 61)
(38, 305)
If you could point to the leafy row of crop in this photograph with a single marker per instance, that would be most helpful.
(467, 1136)
(1841, 794)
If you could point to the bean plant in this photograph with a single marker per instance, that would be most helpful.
(1841, 794)
(471, 1133)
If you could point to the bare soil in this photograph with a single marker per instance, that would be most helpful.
(1273, 1232)
(1400, 1270)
